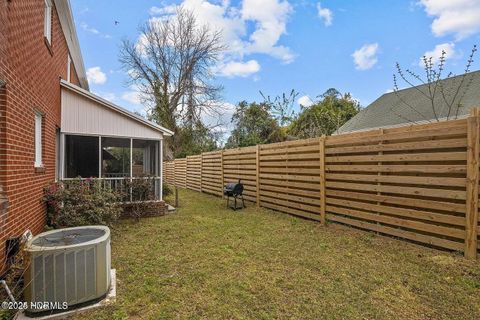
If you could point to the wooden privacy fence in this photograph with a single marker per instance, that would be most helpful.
(418, 182)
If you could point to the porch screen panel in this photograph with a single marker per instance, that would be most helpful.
(144, 158)
(81, 156)
(115, 157)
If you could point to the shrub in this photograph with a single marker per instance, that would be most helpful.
(81, 202)
(142, 189)
(167, 190)
(142, 201)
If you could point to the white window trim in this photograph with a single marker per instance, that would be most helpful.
(47, 21)
(38, 140)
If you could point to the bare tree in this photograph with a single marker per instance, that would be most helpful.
(444, 97)
(171, 65)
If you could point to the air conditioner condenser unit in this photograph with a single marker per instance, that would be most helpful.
(67, 267)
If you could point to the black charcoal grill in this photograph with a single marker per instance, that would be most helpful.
(234, 190)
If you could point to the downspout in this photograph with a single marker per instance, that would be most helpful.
(161, 169)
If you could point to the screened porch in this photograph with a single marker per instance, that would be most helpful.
(102, 141)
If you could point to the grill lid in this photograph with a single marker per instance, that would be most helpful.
(233, 188)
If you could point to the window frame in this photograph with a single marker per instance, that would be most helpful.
(38, 139)
(47, 21)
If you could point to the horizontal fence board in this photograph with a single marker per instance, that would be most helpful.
(394, 179)
(409, 213)
(443, 243)
(398, 168)
(427, 192)
(432, 156)
(412, 202)
(291, 210)
(420, 145)
(418, 134)
(411, 224)
(360, 136)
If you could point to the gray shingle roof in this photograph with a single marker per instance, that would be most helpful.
(410, 106)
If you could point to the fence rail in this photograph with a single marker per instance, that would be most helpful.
(418, 182)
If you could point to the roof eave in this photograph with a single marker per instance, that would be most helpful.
(65, 15)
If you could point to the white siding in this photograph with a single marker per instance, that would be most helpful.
(81, 115)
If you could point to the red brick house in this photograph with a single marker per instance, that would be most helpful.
(47, 115)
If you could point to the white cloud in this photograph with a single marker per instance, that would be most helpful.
(458, 17)
(87, 28)
(90, 29)
(268, 18)
(96, 76)
(241, 69)
(305, 101)
(436, 53)
(365, 57)
(325, 14)
(170, 9)
(134, 97)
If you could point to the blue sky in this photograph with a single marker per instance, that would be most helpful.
(279, 45)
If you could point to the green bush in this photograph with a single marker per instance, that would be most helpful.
(167, 190)
(81, 202)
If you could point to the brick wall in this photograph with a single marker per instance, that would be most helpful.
(32, 70)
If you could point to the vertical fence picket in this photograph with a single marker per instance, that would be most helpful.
(201, 170)
(258, 175)
(322, 180)
(222, 173)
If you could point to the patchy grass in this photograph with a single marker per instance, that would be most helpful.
(207, 262)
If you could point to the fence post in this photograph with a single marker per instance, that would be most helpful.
(257, 167)
(186, 168)
(471, 221)
(222, 179)
(322, 180)
(201, 170)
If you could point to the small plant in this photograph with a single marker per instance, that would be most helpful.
(167, 190)
(81, 202)
(141, 193)
(16, 264)
(142, 189)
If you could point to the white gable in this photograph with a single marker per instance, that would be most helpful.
(82, 114)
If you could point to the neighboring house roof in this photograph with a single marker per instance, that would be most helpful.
(113, 107)
(65, 15)
(410, 106)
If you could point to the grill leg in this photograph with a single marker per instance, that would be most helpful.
(235, 207)
(243, 202)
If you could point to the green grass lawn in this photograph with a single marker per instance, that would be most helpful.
(208, 262)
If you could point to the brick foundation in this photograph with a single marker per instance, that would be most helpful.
(151, 209)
